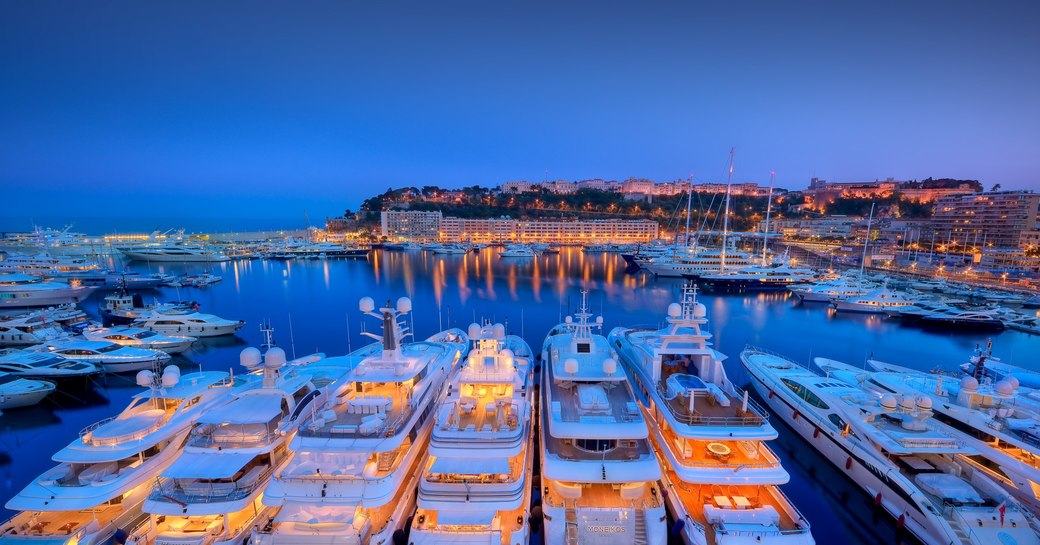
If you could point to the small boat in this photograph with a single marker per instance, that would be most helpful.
(112, 357)
(123, 308)
(962, 319)
(517, 250)
(17, 392)
(44, 365)
(140, 338)
(186, 321)
(880, 301)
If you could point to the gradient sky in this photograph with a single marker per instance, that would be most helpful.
(267, 109)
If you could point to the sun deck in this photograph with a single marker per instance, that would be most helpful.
(744, 510)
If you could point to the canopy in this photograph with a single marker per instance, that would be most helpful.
(208, 465)
(310, 513)
(248, 409)
(470, 466)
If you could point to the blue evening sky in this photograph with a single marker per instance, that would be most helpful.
(258, 109)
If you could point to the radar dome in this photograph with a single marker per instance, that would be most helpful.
(367, 304)
(506, 353)
(907, 403)
(1004, 388)
(250, 357)
(969, 384)
(674, 310)
(473, 330)
(498, 331)
(568, 319)
(172, 369)
(274, 358)
(599, 319)
(699, 310)
(570, 366)
(169, 380)
(609, 366)
(404, 305)
(1013, 382)
(924, 403)
(144, 378)
(888, 402)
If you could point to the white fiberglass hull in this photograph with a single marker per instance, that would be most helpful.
(44, 298)
(27, 397)
(178, 258)
(206, 330)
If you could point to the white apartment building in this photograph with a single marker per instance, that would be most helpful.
(398, 225)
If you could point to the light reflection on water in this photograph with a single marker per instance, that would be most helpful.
(531, 294)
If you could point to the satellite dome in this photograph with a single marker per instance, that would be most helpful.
(274, 358)
(506, 353)
(1013, 382)
(169, 380)
(570, 366)
(144, 378)
(250, 357)
(599, 319)
(674, 310)
(699, 310)
(498, 331)
(404, 305)
(1004, 388)
(172, 369)
(888, 402)
(367, 304)
(609, 366)
(907, 403)
(473, 330)
(924, 403)
(568, 319)
(969, 384)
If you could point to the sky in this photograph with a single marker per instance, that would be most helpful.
(286, 110)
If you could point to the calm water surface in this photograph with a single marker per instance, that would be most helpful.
(313, 308)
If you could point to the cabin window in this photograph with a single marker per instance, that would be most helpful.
(595, 445)
(807, 395)
(584, 348)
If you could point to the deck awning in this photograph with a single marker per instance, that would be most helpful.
(208, 465)
(309, 513)
(470, 466)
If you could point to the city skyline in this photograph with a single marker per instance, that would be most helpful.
(192, 111)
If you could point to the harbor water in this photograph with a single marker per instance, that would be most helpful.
(313, 307)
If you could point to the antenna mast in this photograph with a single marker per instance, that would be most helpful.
(725, 219)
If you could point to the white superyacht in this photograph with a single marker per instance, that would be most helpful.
(476, 481)
(600, 476)
(352, 478)
(720, 476)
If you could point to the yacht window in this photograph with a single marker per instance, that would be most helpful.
(837, 421)
(108, 348)
(584, 348)
(144, 335)
(807, 395)
(595, 445)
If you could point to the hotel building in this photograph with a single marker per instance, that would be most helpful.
(995, 220)
(399, 225)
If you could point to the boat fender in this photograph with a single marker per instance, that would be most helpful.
(794, 415)
(877, 499)
(771, 394)
(901, 523)
(816, 433)
(848, 464)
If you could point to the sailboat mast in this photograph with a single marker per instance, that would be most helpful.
(769, 208)
(689, 206)
(866, 240)
(725, 218)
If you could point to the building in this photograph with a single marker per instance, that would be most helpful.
(341, 224)
(412, 225)
(987, 220)
(822, 192)
(587, 231)
(516, 187)
(831, 227)
(481, 230)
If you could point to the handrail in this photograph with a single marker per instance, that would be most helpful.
(756, 415)
(170, 490)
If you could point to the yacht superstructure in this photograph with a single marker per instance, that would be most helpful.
(913, 466)
(476, 481)
(356, 458)
(600, 476)
(174, 252)
(103, 477)
(710, 436)
(22, 290)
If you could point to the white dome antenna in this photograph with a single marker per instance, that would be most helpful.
(404, 305)
(250, 358)
(367, 304)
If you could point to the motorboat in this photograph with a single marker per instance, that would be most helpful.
(758, 278)
(988, 416)
(476, 480)
(721, 478)
(29, 331)
(974, 320)
(983, 365)
(178, 320)
(22, 290)
(451, 249)
(830, 290)
(84, 271)
(517, 250)
(357, 457)
(175, 253)
(122, 307)
(599, 474)
(893, 448)
(140, 338)
(104, 475)
(879, 301)
(111, 357)
(17, 392)
(211, 494)
(45, 365)
(700, 262)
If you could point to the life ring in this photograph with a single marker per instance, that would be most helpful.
(848, 463)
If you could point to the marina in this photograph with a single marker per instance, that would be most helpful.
(711, 454)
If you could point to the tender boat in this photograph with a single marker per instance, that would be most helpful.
(721, 478)
(45, 365)
(140, 338)
(111, 357)
(353, 476)
(895, 451)
(211, 494)
(476, 480)
(104, 475)
(600, 476)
